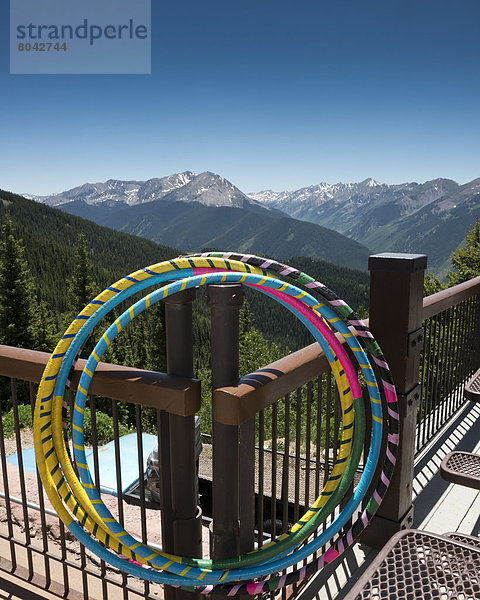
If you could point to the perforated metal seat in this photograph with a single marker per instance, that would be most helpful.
(472, 388)
(420, 565)
(470, 540)
(462, 468)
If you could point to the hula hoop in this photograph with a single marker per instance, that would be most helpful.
(130, 313)
(201, 270)
(286, 540)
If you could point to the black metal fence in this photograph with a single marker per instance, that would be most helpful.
(450, 357)
(35, 545)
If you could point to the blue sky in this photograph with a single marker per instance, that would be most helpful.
(268, 93)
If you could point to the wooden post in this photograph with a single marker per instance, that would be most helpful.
(233, 446)
(396, 313)
(185, 528)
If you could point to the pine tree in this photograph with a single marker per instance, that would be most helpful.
(245, 318)
(156, 346)
(120, 352)
(17, 295)
(139, 343)
(81, 285)
(466, 258)
(432, 284)
(46, 329)
(257, 352)
(81, 290)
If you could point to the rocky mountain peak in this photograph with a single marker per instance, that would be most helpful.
(208, 188)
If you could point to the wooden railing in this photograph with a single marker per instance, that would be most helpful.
(173, 394)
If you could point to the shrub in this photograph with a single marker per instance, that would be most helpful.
(104, 428)
(24, 419)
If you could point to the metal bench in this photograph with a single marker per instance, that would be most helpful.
(417, 565)
(472, 388)
(462, 468)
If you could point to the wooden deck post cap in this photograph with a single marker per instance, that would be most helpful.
(395, 262)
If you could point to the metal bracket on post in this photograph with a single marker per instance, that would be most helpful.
(408, 403)
(415, 341)
(382, 529)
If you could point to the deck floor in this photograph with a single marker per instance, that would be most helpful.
(441, 507)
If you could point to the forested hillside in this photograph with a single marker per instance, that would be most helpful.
(279, 325)
(49, 237)
(192, 225)
(55, 262)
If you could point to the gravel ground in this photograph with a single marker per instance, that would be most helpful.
(27, 523)
(26, 437)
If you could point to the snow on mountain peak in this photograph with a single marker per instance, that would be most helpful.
(371, 182)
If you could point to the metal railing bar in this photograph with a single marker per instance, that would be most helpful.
(159, 441)
(328, 415)
(21, 471)
(472, 342)
(449, 350)
(298, 440)
(286, 469)
(455, 366)
(118, 470)
(423, 402)
(443, 358)
(273, 500)
(118, 473)
(460, 354)
(438, 323)
(308, 441)
(319, 434)
(6, 487)
(143, 511)
(429, 379)
(83, 560)
(31, 390)
(96, 469)
(336, 424)
(63, 547)
(464, 369)
(261, 475)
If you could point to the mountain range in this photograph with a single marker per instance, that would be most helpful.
(429, 218)
(206, 188)
(194, 211)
